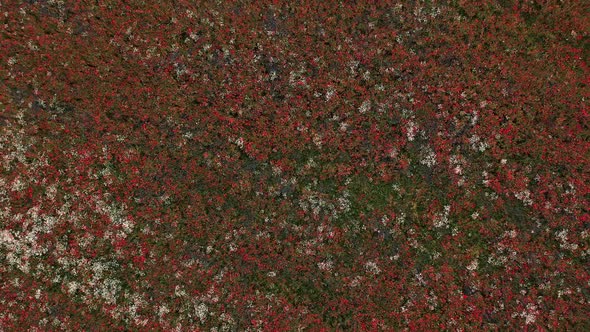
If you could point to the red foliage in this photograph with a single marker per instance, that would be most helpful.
(280, 166)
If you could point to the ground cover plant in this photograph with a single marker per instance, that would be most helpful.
(294, 165)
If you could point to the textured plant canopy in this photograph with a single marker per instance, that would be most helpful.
(279, 165)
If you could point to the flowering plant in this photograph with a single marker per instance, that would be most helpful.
(172, 165)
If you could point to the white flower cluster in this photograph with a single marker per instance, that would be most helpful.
(116, 214)
(478, 144)
(365, 106)
(18, 184)
(162, 310)
(330, 93)
(473, 265)
(15, 143)
(201, 310)
(326, 265)
(442, 219)
(297, 78)
(475, 116)
(317, 140)
(344, 202)
(497, 260)
(237, 141)
(343, 126)
(101, 284)
(22, 244)
(352, 66)
(563, 240)
(315, 204)
(456, 162)
(411, 130)
(400, 219)
(372, 267)
(18, 253)
(428, 157)
(529, 314)
(138, 302)
(525, 197)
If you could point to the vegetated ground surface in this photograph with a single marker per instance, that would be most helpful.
(280, 165)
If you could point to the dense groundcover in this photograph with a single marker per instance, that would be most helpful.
(285, 165)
